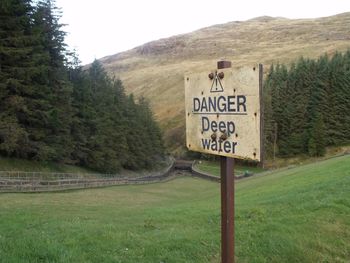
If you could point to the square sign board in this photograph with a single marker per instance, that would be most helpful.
(223, 114)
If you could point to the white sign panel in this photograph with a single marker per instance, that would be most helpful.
(223, 112)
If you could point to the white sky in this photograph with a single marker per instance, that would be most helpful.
(97, 28)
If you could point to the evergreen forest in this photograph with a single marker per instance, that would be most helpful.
(307, 106)
(51, 109)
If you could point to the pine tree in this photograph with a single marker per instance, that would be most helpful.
(16, 69)
(307, 81)
(310, 104)
(340, 84)
(83, 113)
(99, 152)
(346, 94)
(322, 98)
(281, 108)
(120, 123)
(269, 122)
(152, 138)
(133, 136)
(46, 24)
(316, 145)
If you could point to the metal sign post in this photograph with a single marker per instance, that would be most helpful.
(224, 117)
(227, 209)
(227, 201)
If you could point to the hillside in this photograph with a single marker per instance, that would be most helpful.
(297, 215)
(155, 70)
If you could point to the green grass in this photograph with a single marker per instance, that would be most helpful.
(12, 164)
(213, 168)
(298, 215)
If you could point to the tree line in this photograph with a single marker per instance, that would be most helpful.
(307, 106)
(53, 110)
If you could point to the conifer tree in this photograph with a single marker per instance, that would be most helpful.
(340, 84)
(16, 69)
(152, 138)
(310, 104)
(316, 144)
(269, 123)
(83, 114)
(281, 107)
(46, 23)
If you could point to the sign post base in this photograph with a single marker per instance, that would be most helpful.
(227, 209)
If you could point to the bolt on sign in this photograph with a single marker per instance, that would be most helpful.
(223, 114)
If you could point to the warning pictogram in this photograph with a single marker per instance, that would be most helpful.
(216, 86)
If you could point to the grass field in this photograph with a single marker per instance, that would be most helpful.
(298, 215)
(213, 168)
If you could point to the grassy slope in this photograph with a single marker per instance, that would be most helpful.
(156, 69)
(299, 215)
(213, 168)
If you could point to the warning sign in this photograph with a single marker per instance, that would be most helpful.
(223, 112)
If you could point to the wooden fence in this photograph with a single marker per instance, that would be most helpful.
(13, 181)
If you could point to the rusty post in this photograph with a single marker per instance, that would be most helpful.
(227, 200)
(227, 210)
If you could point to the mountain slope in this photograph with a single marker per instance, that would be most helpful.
(297, 215)
(155, 70)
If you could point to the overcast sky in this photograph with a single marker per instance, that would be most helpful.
(97, 28)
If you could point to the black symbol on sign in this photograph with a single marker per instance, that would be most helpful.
(216, 86)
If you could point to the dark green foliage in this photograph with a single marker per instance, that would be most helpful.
(52, 110)
(109, 129)
(310, 104)
(34, 91)
(56, 82)
(269, 125)
(316, 144)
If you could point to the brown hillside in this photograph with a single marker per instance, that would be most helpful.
(155, 70)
